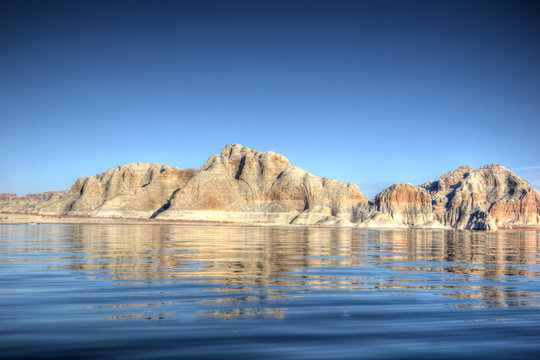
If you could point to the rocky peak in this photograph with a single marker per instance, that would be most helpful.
(236, 150)
(485, 198)
(123, 178)
(498, 176)
(493, 167)
(448, 180)
(403, 193)
(405, 203)
(247, 164)
(246, 183)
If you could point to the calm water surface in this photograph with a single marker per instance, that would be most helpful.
(172, 291)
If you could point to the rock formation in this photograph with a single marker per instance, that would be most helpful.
(245, 185)
(486, 198)
(482, 199)
(405, 204)
(48, 195)
(241, 185)
(8, 197)
(134, 190)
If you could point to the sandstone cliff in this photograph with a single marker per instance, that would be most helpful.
(8, 197)
(481, 199)
(33, 197)
(245, 185)
(405, 204)
(240, 185)
(28, 202)
(134, 190)
(485, 198)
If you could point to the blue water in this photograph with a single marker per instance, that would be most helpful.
(232, 292)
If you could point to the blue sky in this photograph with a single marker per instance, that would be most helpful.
(372, 92)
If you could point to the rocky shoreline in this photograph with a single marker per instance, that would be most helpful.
(7, 218)
(247, 186)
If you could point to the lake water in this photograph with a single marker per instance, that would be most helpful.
(232, 292)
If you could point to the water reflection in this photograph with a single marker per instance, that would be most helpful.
(240, 270)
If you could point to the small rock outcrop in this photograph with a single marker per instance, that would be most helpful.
(8, 197)
(44, 196)
(406, 204)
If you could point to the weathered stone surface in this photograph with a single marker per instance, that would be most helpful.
(8, 197)
(243, 184)
(480, 199)
(134, 190)
(406, 204)
(484, 199)
(240, 185)
(34, 197)
(28, 202)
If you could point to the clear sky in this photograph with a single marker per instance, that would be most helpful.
(370, 92)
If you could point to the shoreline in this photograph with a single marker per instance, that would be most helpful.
(14, 218)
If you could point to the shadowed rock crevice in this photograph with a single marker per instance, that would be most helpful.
(240, 168)
(165, 206)
(161, 209)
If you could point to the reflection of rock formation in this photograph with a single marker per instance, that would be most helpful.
(484, 254)
(227, 254)
(250, 265)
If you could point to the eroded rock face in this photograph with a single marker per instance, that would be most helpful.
(243, 184)
(406, 204)
(8, 197)
(240, 185)
(134, 190)
(28, 202)
(44, 196)
(484, 199)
